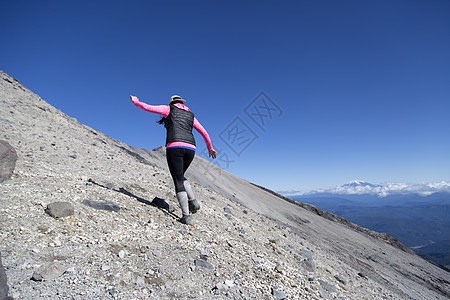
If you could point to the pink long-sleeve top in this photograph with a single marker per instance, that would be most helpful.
(164, 110)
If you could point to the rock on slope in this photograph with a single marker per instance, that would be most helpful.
(123, 241)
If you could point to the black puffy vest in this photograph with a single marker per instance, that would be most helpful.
(179, 124)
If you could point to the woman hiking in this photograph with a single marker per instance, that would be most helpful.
(180, 147)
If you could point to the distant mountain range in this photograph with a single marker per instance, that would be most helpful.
(418, 215)
(358, 187)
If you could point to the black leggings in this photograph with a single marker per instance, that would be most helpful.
(179, 160)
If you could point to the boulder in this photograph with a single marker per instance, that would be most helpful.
(203, 264)
(308, 265)
(3, 285)
(60, 209)
(53, 271)
(277, 294)
(8, 158)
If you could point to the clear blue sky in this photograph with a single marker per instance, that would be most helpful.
(362, 87)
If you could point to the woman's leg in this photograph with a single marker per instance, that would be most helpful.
(188, 158)
(193, 203)
(179, 160)
(188, 188)
(175, 161)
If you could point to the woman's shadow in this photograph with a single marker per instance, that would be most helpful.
(157, 202)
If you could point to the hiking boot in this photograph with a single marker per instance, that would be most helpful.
(193, 206)
(186, 219)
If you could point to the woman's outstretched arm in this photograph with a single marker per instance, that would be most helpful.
(205, 135)
(156, 109)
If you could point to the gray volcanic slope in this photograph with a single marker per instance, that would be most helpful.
(123, 241)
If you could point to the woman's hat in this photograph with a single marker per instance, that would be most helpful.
(176, 98)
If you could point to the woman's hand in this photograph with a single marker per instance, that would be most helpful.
(212, 153)
(134, 98)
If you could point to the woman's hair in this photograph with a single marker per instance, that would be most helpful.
(162, 121)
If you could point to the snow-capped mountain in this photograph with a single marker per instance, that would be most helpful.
(360, 183)
(359, 187)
